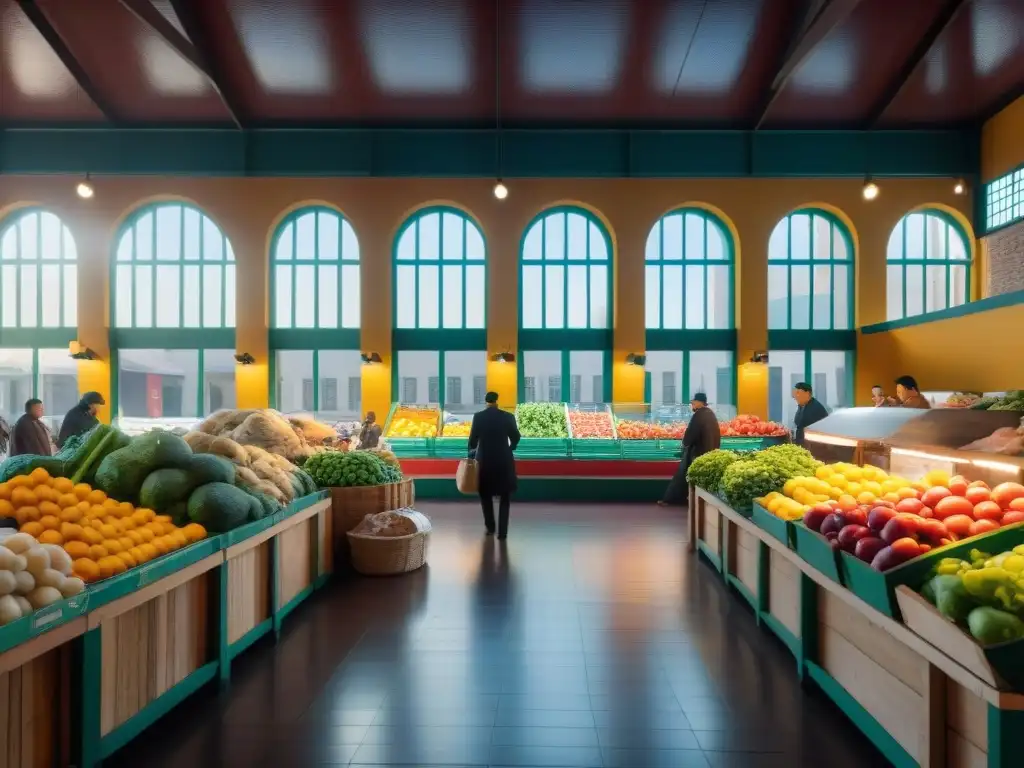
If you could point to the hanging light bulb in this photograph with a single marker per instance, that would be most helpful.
(870, 190)
(959, 188)
(85, 189)
(500, 190)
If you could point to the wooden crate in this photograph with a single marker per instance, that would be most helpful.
(296, 552)
(783, 598)
(153, 639)
(250, 570)
(35, 700)
(743, 548)
(350, 505)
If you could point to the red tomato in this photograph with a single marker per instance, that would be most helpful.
(959, 525)
(957, 485)
(1017, 505)
(983, 526)
(953, 505)
(988, 510)
(1013, 516)
(1004, 493)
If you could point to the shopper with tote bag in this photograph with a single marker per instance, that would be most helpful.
(492, 439)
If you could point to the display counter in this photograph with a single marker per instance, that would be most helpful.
(82, 678)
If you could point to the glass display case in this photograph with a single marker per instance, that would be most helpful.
(592, 431)
(980, 445)
(412, 427)
(857, 435)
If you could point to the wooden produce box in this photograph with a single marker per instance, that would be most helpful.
(707, 531)
(742, 556)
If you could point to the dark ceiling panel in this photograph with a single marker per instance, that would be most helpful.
(35, 86)
(844, 75)
(142, 76)
(969, 70)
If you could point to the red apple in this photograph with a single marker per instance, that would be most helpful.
(858, 516)
(851, 534)
(868, 547)
(832, 524)
(879, 516)
(897, 529)
(815, 516)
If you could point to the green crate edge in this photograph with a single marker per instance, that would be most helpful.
(815, 550)
(779, 529)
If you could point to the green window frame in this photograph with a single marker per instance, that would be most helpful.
(38, 280)
(316, 246)
(1004, 201)
(684, 248)
(810, 248)
(547, 264)
(323, 363)
(57, 403)
(810, 365)
(686, 367)
(440, 261)
(928, 265)
(174, 245)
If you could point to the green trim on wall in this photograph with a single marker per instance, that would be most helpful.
(172, 338)
(806, 340)
(712, 341)
(527, 152)
(37, 338)
(970, 308)
(565, 374)
(928, 261)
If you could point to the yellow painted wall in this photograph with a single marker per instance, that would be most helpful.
(248, 210)
(1002, 142)
(980, 352)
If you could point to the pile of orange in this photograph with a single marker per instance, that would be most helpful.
(103, 537)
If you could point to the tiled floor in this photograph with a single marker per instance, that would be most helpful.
(591, 639)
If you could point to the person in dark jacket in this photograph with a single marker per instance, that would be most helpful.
(702, 435)
(81, 418)
(30, 435)
(809, 410)
(369, 434)
(492, 438)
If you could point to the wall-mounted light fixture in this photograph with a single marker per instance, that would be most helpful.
(244, 358)
(84, 189)
(870, 190)
(760, 356)
(79, 351)
(636, 358)
(960, 187)
(503, 357)
(370, 358)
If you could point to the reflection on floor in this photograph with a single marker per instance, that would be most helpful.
(590, 639)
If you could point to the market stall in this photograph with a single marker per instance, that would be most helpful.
(895, 581)
(576, 451)
(141, 566)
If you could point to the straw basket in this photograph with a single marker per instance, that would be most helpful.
(375, 556)
(350, 505)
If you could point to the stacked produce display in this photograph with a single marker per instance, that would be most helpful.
(741, 426)
(456, 429)
(353, 468)
(591, 424)
(412, 421)
(1011, 401)
(542, 420)
(742, 479)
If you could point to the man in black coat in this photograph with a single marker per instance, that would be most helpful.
(30, 436)
(493, 437)
(702, 435)
(809, 410)
(81, 418)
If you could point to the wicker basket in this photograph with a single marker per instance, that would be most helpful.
(376, 556)
(350, 505)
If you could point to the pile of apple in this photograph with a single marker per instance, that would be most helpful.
(887, 534)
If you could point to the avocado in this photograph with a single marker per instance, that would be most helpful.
(951, 597)
(990, 626)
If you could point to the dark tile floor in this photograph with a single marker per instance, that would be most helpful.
(592, 639)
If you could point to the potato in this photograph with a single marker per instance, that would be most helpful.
(59, 559)
(7, 559)
(23, 603)
(9, 610)
(40, 597)
(50, 577)
(37, 560)
(20, 543)
(20, 563)
(8, 583)
(25, 582)
(72, 586)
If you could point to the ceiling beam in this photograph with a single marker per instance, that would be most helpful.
(819, 19)
(194, 48)
(946, 15)
(53, 39)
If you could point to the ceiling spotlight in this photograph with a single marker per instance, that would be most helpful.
(959, 188)
(500, 190)
(85, 189)
(870, 190)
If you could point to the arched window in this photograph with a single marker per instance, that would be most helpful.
(315, 258)
(689, 276)
(566, 272)
(440, 273)
(173, 269)
(38, 314)
(440, 306)
(38, 272)
(810, 311)
(173, 309)
(810, 274)
(928, 265)
(315, 316)
(565, 300)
